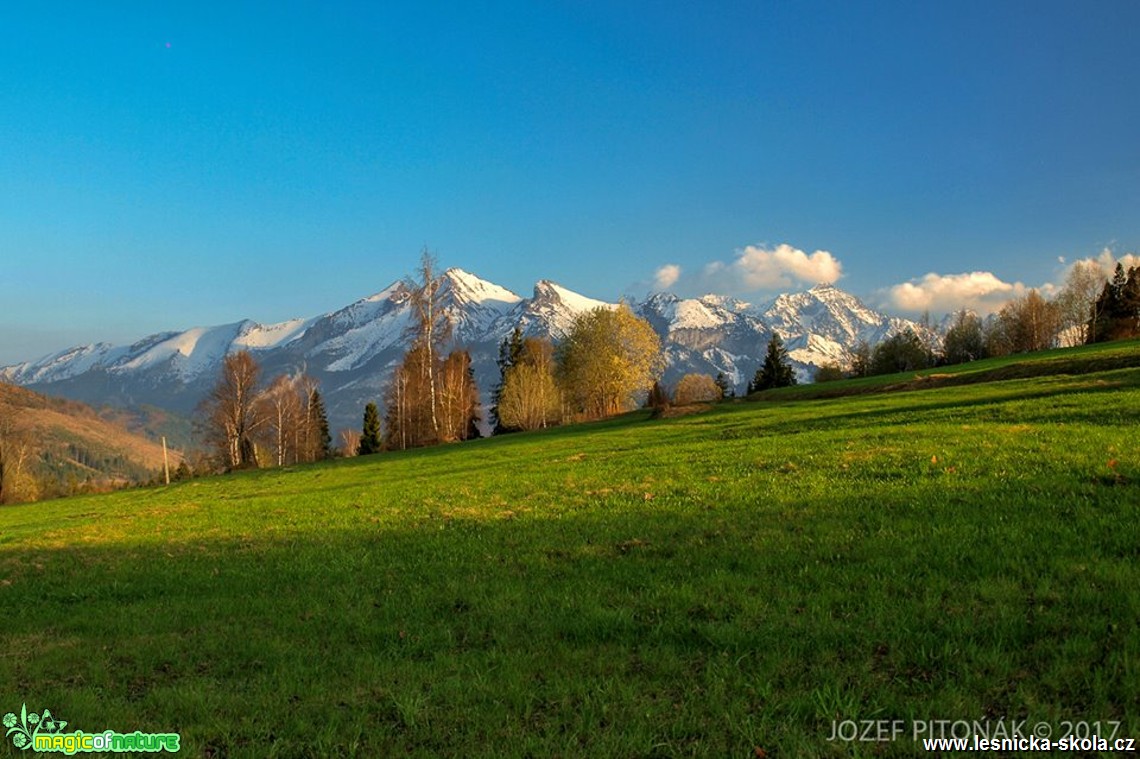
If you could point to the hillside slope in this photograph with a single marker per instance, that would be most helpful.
(732, 583)
(74, 442)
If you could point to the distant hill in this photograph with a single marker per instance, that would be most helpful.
(75, 445)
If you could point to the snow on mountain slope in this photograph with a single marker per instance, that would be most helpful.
(355, 347)
(474, 304)
(352, 350)
(689, 313)
(549, 312)
(468, 288)
(264, 337)
(59, 366)
(823, 324)
(381, 322)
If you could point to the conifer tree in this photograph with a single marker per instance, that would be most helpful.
(726, 389)
(320, 438)
(370, 432)
(509, 351)
(1117, 312)
(1130, 296)
(777, 369)
(1106, 319)
(182, 472)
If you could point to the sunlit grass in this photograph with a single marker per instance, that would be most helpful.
(698, 586)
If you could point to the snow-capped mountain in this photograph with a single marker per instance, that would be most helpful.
(822, 324)
(352, 350)
(716, 333)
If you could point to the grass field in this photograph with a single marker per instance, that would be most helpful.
(727, 583)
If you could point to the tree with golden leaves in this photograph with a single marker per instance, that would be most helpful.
(530, 398)
(696, 388)
(609, 358)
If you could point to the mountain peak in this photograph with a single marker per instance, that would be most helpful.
(548, 291)
(469, 288)
(352, 350)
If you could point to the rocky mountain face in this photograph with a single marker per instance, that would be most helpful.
(353, 350)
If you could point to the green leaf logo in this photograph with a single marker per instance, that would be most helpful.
(23, 730)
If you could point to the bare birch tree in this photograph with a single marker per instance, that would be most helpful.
(530, 398)
(280, 409)
(1078, 301)
(459, 398)
(430, 328)
(349, 442)
(231, 416)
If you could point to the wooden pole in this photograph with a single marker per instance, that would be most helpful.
(165, 461)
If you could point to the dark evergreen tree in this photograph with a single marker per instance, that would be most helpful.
(903, 352)
(1129, 325)
(182, 472)
(319, 427)
(726, 389)
(473, 417)
(777, 369)
(370, 432)
(1116, 312)
(658, 397)
(509, 352)
(861, 359)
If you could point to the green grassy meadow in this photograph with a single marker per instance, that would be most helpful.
(727, 583)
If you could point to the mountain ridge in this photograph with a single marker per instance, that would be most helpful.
(352, 349)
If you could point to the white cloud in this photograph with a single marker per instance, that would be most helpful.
(985, 292)
(755, 268)
(1107, 261)
(666, 276)
(980, 291)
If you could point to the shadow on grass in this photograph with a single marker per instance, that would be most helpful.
(634, 631)
(910, 410)
(1066, 364)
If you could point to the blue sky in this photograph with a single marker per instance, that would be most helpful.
(164, 165)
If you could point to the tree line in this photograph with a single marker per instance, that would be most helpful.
(247, 425)
(603, 366)
(1089, 308)
(609, 361)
